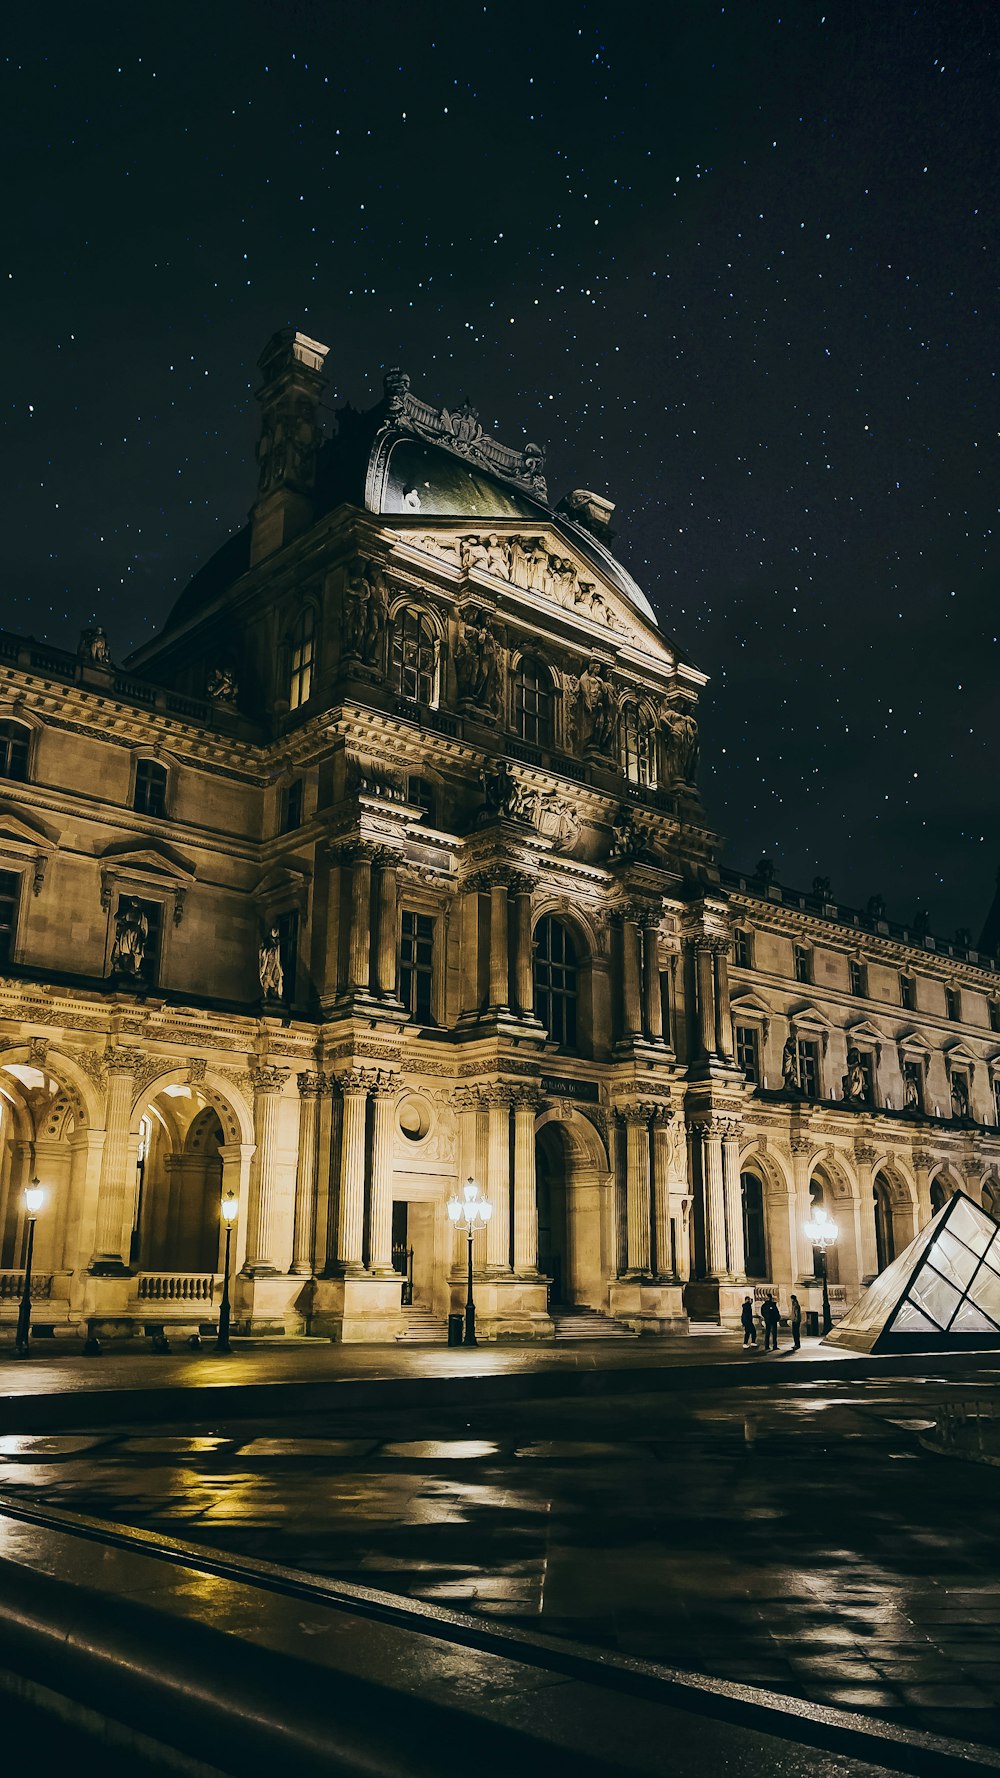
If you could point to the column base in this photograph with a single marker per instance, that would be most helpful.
(357, 1308)
(649, 1305)
(269, 1303)
(508, 1309)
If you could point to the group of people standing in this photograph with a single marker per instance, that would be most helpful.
(770, 1316)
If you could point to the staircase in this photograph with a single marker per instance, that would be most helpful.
(587, 1324)
(422, 1328)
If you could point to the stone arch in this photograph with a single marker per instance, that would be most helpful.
(572, 1176)
(902, 1202)
(990, 1193)
(779, 1207)
(46, 1134)
(943, 1183)
(85, 1097)
(233, 1111)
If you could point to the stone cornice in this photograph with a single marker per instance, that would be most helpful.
(836, 935)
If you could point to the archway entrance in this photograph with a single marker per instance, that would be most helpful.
(177, 1224)
(43, 1136)
(569, 1174)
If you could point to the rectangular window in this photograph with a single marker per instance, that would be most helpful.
(291, 806)
(907, 993)
(803, 963)
(10, 895)
(742, 949)
(150, 796)
(420, 792)
(856, 972)
(995, 1015)
(954, 1001)
(288, 939)
(416, 965)
(747, 1051)
(809, 1067)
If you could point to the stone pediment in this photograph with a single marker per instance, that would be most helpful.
(537, 562)
(139, 869)
(26, 829)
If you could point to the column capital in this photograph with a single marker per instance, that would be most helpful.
(521, 882)
(632, 1113)
(359, 851)
(922, 1158)
(801, 1144)
(525, 1096)
(714, 1123)
(661, 1115)
(267, 1079)
(121, 1059)
(384, 1084)
(491, 876)
(973, 1169)
(496, 1093)
(865, 1153)
(312, 1084)
(354, 1083)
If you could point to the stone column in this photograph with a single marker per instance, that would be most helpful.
(801, 1208)
(705, 971)
(923, 1161)
(354, 1087)
(360, 929)
(723, 1014)
(114, 1198)
(470, 954)
(714, 1197)
(865, 1156)
(267, 1086)
(387, 888)
(471, 1151)
(637, 1200)
(237, 1159)
(499, 942)
(735, 1244)
(663, 1256)
(524, 977)
(311, 1086)
(525, 1198)
(652, 1000)
(498, 1178)
(384, 1094)
(631, 992)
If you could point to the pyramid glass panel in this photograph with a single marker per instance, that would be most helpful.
(935, 1296)
(972, 1320)
(939, 1293)
(953, 1259)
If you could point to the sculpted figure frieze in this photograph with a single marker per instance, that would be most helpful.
(524, 562)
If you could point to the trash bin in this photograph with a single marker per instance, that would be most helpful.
(455, 1326)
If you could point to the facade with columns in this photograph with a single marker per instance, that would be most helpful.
(384, 865)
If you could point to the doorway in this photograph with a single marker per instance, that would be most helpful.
(550, 1191)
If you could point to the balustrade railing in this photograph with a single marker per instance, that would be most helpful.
(177, 1287)
(12, 1286)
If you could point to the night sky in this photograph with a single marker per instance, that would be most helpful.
(735, 265)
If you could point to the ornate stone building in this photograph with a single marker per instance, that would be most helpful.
(384, 865)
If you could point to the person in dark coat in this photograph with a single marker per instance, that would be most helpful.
(770, 1314)
(746, 1317)
(796, 1319)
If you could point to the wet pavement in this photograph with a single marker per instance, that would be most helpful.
(805, 1539)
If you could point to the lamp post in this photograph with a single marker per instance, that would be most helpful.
(470, 1211)
(33, 1200)
(822, 1232)
(230, 1208)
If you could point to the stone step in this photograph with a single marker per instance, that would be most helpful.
(423, 1328)
(588, 1324)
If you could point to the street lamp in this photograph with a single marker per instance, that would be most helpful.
(822, 1232)
(230, 1208)
(470, 1211)
(34, 1197)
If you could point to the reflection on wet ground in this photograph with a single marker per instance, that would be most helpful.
(806, 1540)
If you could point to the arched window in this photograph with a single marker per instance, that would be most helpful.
(938, 1195)
(885, 1246)
(414, 658)
(532, 703)
(637, 746)
(754, 1242)
(555, 981)
(302, 657)
(149, 793)
(14, 739)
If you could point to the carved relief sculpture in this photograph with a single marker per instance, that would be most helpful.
(365, 612)
(596, 714)
(680, 732)
(478, 666)
(272, 976)
(222, 687)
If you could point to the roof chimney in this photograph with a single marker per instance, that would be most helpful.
(291, 365)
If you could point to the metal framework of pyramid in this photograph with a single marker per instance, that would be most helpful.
(942, 1294)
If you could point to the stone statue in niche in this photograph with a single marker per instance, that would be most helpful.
(222, 687)
(477, 665)
(959, 1096)
(93, 647)
(790, 1064)
(272, 976)
(680, 745)
(365, 613)
(911, 1092)
(854, 1082)
(596, 714)
(131, 934)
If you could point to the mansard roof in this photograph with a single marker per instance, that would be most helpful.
(405, 457)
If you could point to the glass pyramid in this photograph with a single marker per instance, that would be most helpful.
(942, 1293)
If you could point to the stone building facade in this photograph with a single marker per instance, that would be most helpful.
(384, 865)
